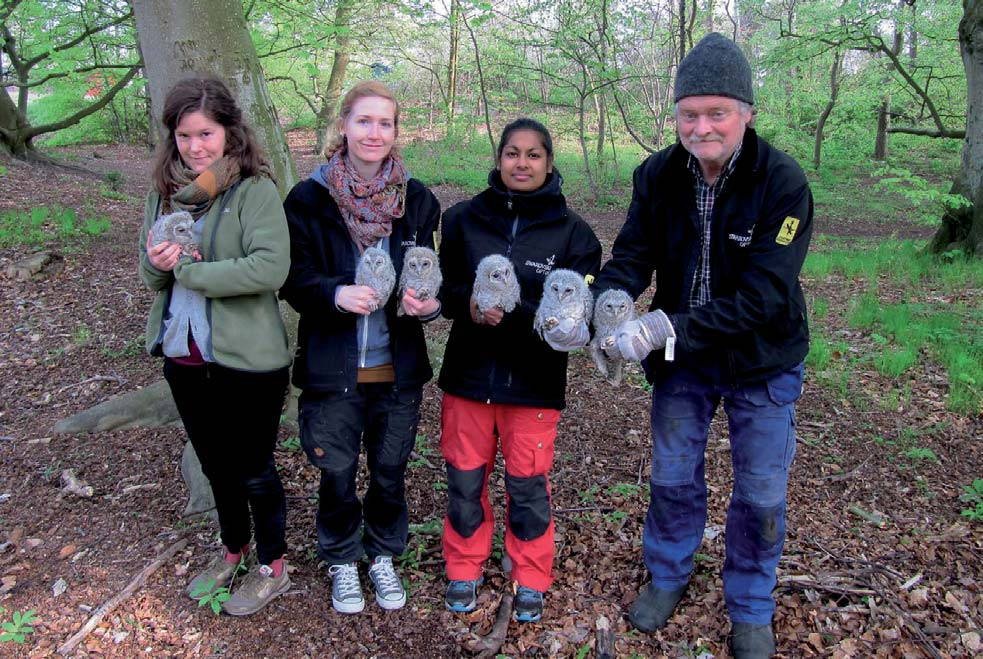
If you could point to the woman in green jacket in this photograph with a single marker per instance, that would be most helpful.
(216, 322)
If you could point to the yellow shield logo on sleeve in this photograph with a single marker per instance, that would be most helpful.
(787, 232)
(588, 279)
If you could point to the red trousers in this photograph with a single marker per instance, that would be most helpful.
(470, 432)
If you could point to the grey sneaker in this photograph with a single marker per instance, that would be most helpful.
(218, 574)
(257, 590)
(389, 593)
(346, 590)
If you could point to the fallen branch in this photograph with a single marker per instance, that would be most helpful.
(109, 605)
(488, 646)
(72, 484)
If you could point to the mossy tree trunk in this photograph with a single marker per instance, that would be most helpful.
(962, 228)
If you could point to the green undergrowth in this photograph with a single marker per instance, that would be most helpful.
(43, 224)
(936, 316)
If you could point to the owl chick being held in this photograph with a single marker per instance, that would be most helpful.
(176, 228)
(614, 308)
(495, 284)
(421, 272)
(375, 270)
(564, 311)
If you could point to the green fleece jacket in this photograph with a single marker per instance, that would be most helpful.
(245, 250)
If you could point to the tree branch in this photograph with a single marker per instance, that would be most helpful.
(34, 131)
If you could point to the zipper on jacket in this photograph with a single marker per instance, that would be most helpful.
(515, 230)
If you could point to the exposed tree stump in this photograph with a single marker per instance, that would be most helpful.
(35, 266)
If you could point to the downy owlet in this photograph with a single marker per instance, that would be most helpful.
(495, 284)
(421, 272)
(375, 270)
(614, 308)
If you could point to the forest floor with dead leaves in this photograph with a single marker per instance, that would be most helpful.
(878, 560)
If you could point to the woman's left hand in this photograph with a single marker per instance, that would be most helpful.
(414, 307)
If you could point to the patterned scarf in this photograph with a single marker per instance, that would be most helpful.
(368, 207)
(196, 192)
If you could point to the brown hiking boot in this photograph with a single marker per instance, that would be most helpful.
(218, 574)
(256, 591)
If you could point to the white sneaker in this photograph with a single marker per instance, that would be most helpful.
(346, 590)
(389, 593)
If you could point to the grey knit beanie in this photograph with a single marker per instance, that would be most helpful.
(714, 67)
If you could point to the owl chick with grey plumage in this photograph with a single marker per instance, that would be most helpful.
(614, 308)
(176, 228)
(566, 304)
(495, 284)
(375, 270)
(421, 272)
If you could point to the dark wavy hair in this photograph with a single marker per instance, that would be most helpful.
(212, 98)
(525, 123)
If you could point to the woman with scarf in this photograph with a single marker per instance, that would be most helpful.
(361, 368)
(501, 382)
(216, 322)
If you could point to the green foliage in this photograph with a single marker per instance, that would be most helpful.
(291, 443)
(210, 596)
(973, 495)
(18, 627)
(43, 224)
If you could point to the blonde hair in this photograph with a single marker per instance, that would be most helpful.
(364, 89)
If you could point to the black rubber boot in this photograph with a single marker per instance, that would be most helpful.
(653, 607)
(749, 641)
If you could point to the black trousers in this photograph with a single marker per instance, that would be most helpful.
(333, 427)
(232, 419)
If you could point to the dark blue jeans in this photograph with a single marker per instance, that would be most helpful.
(232, 419)
(761, 418)
(333, 428)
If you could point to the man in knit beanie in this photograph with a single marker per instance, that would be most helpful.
(724, 219)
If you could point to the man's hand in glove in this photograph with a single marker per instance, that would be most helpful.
(637, 338)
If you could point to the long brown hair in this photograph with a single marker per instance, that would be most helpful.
(212, 98)
(364, 89)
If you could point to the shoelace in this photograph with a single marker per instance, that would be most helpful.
(385, 575)
(345, 578)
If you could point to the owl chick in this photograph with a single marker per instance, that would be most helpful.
(176, 228)
(421, 272)
(566, 301)
(614, 307)
(375, 270)
(495, 284)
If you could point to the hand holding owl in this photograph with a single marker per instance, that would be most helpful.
(496, 290)
(613, 309)
(171, 237)
(375, 278)
(564, 311)
(419, 281)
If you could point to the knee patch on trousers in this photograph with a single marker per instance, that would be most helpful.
(464, 488)
(529, 506)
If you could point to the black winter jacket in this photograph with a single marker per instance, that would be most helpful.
(755, 324)
(321, 259)
(509, 363)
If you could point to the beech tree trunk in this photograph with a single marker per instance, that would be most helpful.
(182, 38)
(339, 67)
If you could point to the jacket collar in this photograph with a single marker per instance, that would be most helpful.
(545, 203)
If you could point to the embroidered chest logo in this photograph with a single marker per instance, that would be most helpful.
(787, 232)
(543, 268)
(408, 243)
(742, 241)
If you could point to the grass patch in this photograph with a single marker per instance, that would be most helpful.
(43, 224)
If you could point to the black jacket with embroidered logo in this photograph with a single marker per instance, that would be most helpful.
(755, 324)
(509, 363)
(321, 259)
